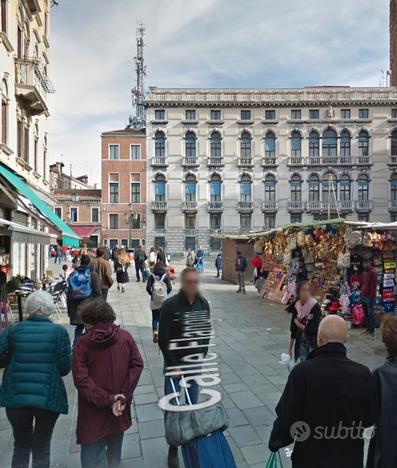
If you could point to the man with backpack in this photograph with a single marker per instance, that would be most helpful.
(83, 284)
(158, 287)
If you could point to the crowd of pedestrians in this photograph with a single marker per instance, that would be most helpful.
(326, 392)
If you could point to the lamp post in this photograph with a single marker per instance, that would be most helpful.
(131, 216)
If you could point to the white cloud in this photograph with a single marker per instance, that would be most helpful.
(225, 43)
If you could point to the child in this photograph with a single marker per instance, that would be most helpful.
(65, 272)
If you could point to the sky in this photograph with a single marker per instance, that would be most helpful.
(199, 43)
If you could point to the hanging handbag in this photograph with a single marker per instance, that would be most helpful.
(182, 427)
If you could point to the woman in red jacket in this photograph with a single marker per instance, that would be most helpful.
(106, 370)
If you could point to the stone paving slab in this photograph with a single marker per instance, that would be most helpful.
(250, 335)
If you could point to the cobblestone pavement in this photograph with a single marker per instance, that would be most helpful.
(251, 335)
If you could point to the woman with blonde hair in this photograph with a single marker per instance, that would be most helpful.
(121, 265)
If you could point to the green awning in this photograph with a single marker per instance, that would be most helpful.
(69, 237)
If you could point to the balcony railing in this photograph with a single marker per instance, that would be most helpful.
(346, 160)
(159, 206)
(295, 205)
(189, 206)
(364, 205)
(330, 160)
(346, 205)
(340, 160)
(32, 84)
(296, 161)
(190, 162)
(245, 162)
(393, 205)
(215, 205)
(215, 162)
(314, 160)
(364, 160)
(269, 206)
(159, 162)
(343, 205)
(269, 161)
(246, 205)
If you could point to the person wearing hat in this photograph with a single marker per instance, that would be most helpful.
(37, 354)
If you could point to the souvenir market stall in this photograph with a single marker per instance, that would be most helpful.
(331, 253)
(319, 244)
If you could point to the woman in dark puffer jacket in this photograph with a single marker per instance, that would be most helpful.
(32, 390)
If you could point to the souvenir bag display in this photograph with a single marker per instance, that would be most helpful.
(358, 315)
(388, 296)
(353, 239)
(344, 260)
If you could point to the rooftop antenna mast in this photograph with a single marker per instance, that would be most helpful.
(138, 93)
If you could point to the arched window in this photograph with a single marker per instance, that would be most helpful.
(159, 144)
(330, 143)
(245, 188)
(270, 188)
(394, 143)
(159, 188)
(296, 144)
(190, 145)
(4, 113)
(363, 143)
(270, 145)
(363, 188)
(393, 184)
(330, 188)
(344, 188)
(215, 188)
(245, 145)
(314, 188)
(190, 188)
(345, 144)
(314, 144)
(296, 188)
(215, 145)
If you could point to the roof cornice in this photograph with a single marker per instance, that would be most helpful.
(320, 96)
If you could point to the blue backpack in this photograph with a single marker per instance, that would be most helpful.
(79, 284)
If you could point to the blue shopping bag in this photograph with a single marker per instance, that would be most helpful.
(212, 451)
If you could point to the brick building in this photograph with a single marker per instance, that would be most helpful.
(80, 209)
(123, 164)
(393, 42)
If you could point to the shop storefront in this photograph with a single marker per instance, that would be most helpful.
(25, 223)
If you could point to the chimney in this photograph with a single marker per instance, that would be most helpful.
(393, 42)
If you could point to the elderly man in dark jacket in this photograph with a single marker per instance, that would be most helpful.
(326, 404)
